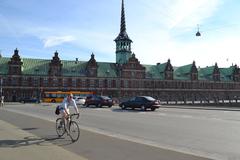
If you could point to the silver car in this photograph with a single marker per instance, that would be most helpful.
(80, 100)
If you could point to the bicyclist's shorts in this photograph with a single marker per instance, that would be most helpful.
(62, 110)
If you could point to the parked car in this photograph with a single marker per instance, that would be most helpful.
(99, 101)
(29, 100)
(80, 100)
(143, 102)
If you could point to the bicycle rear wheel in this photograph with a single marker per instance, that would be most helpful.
(60, 127)
(74, 131)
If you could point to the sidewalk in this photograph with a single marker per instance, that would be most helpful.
(17, 144)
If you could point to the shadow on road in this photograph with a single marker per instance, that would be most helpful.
(29, 129)
(31, 140)
(26, 141)
(59, 141)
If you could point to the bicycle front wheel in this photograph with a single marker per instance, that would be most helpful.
(74, 131)
(60, 127)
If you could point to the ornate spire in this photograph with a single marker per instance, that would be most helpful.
(123, 33)
(123, 23)
(123, 42)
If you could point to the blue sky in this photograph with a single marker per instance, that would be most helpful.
(160, 29)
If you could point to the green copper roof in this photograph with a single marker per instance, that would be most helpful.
(73, 68)
(155, 71)
(182, 72)
(226, 73)
(161, 67)
(106, 69)
(69, 68)
(205, 73)
(35, 66)
(4, 65)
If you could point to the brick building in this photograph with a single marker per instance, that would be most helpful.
(25, 77)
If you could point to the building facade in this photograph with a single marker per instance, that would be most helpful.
(27, 77)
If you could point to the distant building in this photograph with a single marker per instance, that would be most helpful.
(25, 77)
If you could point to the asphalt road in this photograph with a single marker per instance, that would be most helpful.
(207, 133)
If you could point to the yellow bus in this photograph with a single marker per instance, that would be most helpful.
(58, 96)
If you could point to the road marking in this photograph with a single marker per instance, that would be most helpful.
(186, 116)
(226, 111)
(162, 114)
(218, 119)
(102, 109)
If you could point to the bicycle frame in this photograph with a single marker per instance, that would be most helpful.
(72, 127)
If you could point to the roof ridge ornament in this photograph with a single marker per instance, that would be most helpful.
(56, 53)
(16, 52)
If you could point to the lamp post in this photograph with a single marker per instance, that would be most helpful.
(2, 99)
(39, 90)
(1, 86)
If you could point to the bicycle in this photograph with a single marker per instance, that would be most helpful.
(74, 131)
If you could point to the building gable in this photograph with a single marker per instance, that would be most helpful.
(133, 69)
(91, 68)
(55, 66)
(15, 64)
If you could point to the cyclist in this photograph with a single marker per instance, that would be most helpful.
(64, 108)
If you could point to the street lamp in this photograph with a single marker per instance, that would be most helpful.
(198, 34)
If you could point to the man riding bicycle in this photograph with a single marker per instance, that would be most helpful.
(64, 108)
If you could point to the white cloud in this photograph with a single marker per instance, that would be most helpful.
(179, 13)
(157, 43)
(188, 12)
(57, 40)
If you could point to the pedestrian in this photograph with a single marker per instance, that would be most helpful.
(2, 101)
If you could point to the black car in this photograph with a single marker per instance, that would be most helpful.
(143, 102)
(99, 101)
(29, 100)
